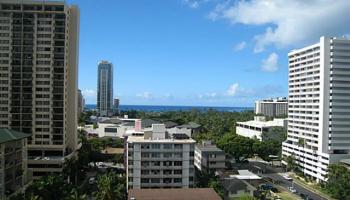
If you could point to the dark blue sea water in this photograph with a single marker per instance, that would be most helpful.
(174, 108)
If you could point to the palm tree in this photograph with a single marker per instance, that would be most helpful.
(74, 195)
(110, 187)
(70, 169)
(301, 143)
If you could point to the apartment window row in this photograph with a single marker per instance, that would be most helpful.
(159, 155)
(165, 172)
(158, 163)
(305, 74)
(158, 146)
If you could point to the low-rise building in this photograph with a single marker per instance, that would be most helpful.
(13, 162)
(256, 127)
(157, 160)
(174, 194)
(235, 188)
(209, 158)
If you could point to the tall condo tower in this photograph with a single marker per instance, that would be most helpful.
(105, 88)
(319, 106)
(38, 75)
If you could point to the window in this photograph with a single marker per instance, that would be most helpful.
(177, 180)
(155, 155)
(178, 155)
(167, 155)
(167, 146)
(178, 146)
(155, 180)
(155, 146)
(144, 155)
(178, 163)
(178, 171)
(144, 180)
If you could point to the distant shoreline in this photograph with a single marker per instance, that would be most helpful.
(158, 108)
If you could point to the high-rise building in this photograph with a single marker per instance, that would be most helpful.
(80, 103)
(116, 106)
(156, 160)
(272, 107)
(38, 75)
(105, 88)
(319, 106)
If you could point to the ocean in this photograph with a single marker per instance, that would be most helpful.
(155, 108)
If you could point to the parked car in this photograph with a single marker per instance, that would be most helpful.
(287, 177)
(292, 190)
(275, 190)
(92, 180)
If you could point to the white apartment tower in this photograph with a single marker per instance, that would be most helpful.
(38, 76)
(319, 106)
(156, 160)
(105, 88)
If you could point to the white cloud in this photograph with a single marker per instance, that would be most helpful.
(290, 22)
(232, 89)
(270, 64)
(145, 95)
(240, 46)
(191, 3)
(89, 93)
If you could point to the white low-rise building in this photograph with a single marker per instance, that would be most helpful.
(256, 127)
(156, 160)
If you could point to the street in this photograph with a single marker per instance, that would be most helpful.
(272, 173)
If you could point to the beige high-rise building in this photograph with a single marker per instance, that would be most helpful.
(38, 78)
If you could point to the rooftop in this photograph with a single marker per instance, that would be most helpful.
(208, 147)
(7, 135)
(245, 175)
(191, 125)
(174, 194)
(141, 139)
(111, 150)
(261, 124)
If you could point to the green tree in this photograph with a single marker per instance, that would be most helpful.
(216, 185)
(291, 165)
(246, 197)
(75, 195)
(70, 170)
(301, 142)
(266, 148)
(338, 183)
(111, 187)
(52, 187)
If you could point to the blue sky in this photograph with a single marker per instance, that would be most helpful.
(203, 53)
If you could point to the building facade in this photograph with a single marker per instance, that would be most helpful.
(255, 128)
(156, 161)
(272, 107)
(319, 106)
(209, 158)
(13, 162)
(38, 75)
(105, 88)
